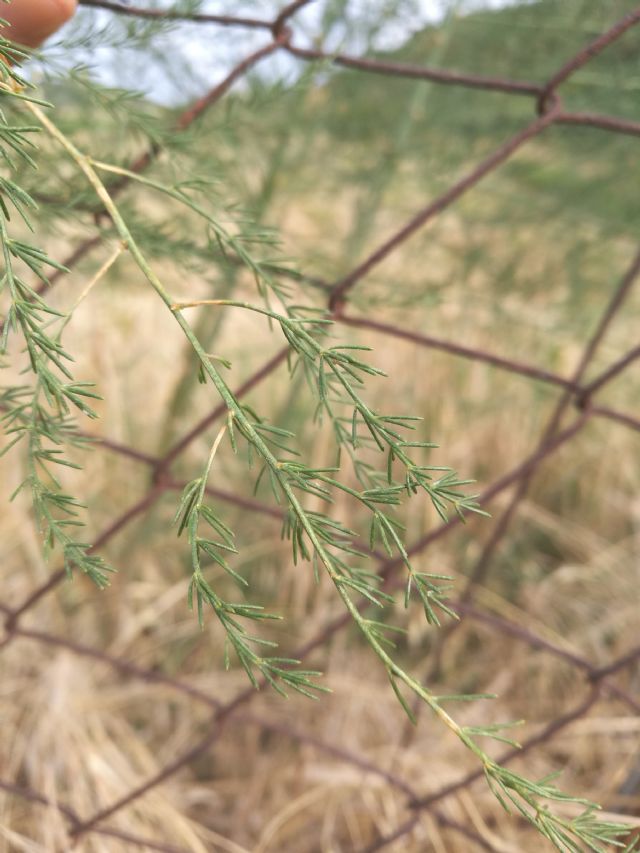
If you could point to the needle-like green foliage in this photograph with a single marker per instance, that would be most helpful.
(39, 417)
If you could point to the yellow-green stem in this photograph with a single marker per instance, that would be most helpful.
(85, 164)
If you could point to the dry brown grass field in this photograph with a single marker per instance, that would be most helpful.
(333, 775)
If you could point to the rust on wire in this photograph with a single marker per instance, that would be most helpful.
(576, 394)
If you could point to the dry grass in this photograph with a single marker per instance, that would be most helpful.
(83, 734)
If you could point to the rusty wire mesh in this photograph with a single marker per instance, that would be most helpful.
(576, 397)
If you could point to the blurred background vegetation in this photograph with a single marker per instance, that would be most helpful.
(322, 165)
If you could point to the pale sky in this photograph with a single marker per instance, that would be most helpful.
(204, 53)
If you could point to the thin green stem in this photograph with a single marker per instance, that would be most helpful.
(508, 786)
(84, 163)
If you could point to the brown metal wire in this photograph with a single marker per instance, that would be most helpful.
(582, 397)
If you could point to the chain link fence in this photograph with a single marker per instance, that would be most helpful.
(578, 403)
